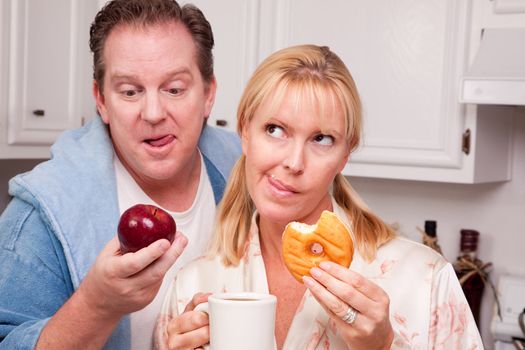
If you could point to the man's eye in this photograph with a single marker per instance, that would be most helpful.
(174, 91)
(274, 130)
(325, 140)
(131, 92)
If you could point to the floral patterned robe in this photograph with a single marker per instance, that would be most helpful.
(428, 309)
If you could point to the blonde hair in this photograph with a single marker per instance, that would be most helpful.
(314, 69)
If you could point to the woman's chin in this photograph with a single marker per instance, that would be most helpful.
(278, 215)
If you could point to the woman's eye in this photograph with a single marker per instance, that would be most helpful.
(325, 140)
(274, 130)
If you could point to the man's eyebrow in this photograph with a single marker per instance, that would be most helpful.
(183, 70)
(123, 77)
(118, 76)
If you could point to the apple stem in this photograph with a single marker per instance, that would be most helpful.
(155, 212)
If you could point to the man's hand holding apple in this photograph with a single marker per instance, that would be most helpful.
(118, 284)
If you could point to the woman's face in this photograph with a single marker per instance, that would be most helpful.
(290, 161)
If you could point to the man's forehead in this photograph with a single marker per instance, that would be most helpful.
(158, 36)
(132, 52)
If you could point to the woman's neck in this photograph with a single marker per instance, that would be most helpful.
(270, 234)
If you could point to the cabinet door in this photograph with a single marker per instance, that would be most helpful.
(404, 57)
(45, 69)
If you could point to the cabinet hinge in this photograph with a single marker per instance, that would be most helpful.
(465, 144)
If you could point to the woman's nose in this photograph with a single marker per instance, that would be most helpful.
(153, 110)
(295, 158)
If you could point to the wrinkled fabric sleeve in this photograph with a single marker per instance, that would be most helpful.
(452, 325)
(32, 276)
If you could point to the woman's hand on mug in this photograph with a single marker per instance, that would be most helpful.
(190, 330)
(338, 289)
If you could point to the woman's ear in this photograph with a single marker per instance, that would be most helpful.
(344, 159)
(244, 139)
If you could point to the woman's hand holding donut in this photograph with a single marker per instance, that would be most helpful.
(190, 330)
(337, 288)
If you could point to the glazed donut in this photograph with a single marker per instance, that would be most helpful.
(305, 246)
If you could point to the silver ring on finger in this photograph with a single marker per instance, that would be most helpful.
(350, 315)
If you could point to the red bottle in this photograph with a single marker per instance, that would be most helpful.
(471, 271)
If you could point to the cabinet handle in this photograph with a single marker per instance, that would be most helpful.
(465, 146)
(39, 112)
(221, 122)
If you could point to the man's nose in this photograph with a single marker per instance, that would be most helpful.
(153, 110)
(295, 158)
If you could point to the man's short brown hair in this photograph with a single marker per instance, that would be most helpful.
(146, 13)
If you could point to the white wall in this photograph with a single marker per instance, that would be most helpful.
(496, 210)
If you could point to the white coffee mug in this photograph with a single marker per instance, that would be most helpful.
(241, 321)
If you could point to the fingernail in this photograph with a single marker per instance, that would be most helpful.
(308, 281)
(316, 272)
(181, 240)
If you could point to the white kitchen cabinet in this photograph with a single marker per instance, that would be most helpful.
(45, 71)
(406, 57)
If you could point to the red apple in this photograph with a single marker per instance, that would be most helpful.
(143, 224)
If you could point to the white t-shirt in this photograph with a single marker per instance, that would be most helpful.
(196, 223)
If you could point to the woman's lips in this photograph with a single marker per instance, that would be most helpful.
(280, 187)
(160, 141)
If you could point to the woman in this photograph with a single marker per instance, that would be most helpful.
(299, 119)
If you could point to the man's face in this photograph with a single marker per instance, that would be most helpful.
(154, 100)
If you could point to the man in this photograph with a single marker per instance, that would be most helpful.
(63, 282)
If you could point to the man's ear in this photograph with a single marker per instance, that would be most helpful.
(211, 89)
(100, 102)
